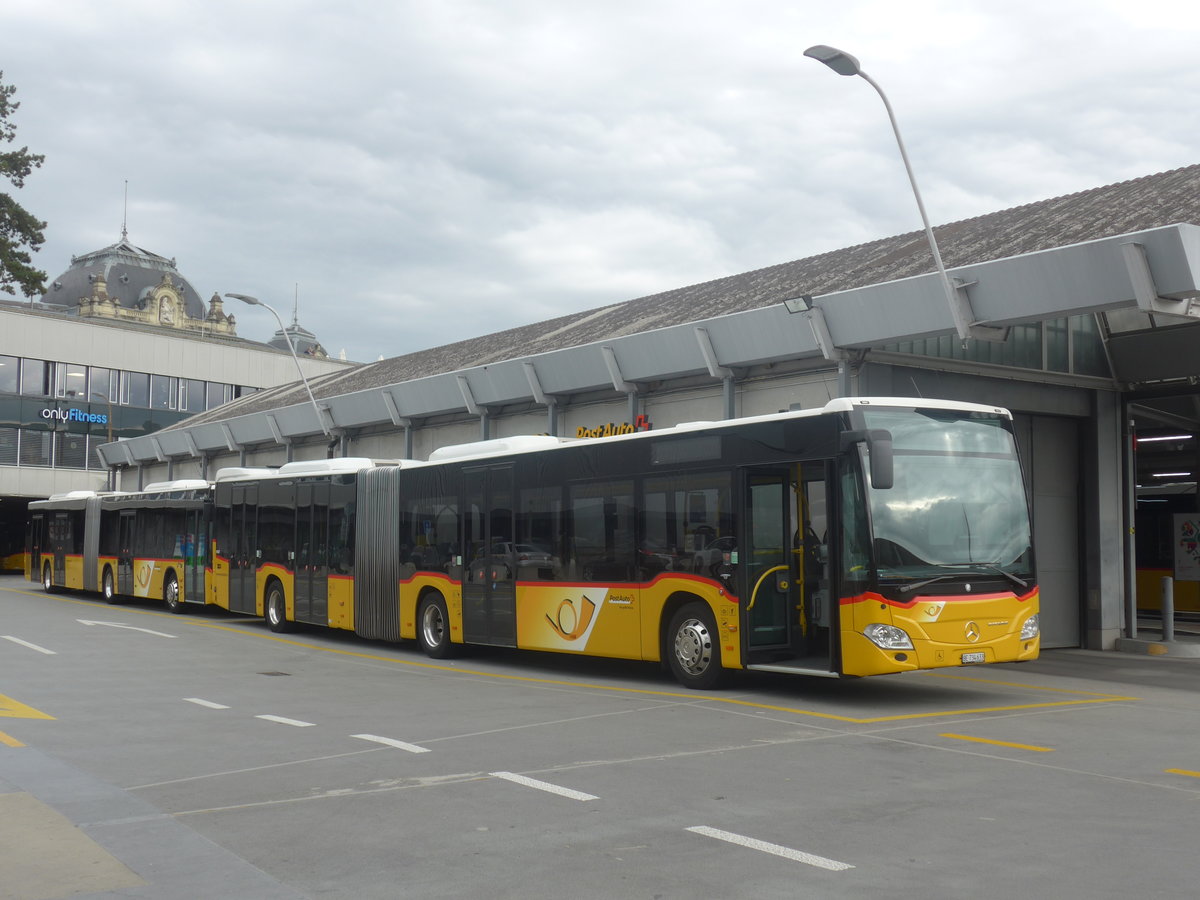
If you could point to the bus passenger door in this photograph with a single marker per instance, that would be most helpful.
(489, 558)
(195, 555)
(62, 540)
(318, 556)
(243, 557)
(814, 640)
(311, 564)
(767, 565)
(302, 553)
(37, 540)
(125, 529)
(786, 611)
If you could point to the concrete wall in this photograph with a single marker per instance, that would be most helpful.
(58, 338)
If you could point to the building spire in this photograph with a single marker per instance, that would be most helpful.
(125, 214)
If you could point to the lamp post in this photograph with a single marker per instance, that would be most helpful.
(845, 64)
(254, 301)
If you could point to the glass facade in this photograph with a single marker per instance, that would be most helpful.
(1070, 345)
(10, 375)
(56, 414)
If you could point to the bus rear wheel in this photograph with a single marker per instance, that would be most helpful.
(47, 579)
(433, 628)
(275, 609)
(108, 588)
(694, 648)
(171, 595)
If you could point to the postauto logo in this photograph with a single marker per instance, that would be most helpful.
(74, 415)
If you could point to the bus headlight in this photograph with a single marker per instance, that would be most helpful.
(1031, 629)
(888, 637)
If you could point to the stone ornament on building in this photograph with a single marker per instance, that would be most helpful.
(163, 306)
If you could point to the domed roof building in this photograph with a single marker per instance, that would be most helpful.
(121, 346)
(303, 340)
(126, 282)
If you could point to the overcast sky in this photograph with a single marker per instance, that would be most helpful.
(433, 170)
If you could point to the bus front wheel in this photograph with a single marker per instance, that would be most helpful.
(47, 579)
(108, 588)
(275, 610)
(171, 595)
(694, 648)
(433, 628)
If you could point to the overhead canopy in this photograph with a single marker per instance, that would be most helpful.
(1151, 277)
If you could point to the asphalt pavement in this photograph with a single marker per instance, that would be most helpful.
(65, 831)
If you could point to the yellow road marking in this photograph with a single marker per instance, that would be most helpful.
(9, 740)
(10, 708)
(1187, 772)
(694, 696)
(979, 740)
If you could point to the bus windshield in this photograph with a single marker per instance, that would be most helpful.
(958, 501)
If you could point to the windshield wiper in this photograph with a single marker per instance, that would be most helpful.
(1019, 582)
(905, 588)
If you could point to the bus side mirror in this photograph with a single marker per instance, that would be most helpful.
(879, 445)
(879, 450)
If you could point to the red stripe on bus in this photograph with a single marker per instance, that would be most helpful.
(872, 597)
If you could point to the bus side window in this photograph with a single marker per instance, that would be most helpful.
(538, 543)
(601, 526)
(854, 549)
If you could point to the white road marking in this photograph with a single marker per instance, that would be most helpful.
(17, 640)
(786, 852)
(282, 721)
(391, 742)
(543, 786)
(207, 703)
(120, 625)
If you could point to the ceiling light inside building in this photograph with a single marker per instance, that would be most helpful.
(1164, 437)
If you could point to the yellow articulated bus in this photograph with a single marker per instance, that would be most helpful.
(874, 535)
(148, 544)
(871, 536)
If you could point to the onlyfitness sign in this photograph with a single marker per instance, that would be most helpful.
(74, 415)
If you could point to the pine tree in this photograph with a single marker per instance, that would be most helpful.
(20, 233)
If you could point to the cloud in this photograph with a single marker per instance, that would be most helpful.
(615, 251)
(430, 171)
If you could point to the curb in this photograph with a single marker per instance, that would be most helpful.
(1178, 649)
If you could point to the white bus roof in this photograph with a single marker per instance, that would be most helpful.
(234, 473)
(526, 443)
(74, 495)
(531, 442)
(183, 484)
(845, 404)
(520, 443)
(335, 466)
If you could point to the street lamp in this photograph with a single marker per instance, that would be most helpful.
(254, 301)
(845, 64)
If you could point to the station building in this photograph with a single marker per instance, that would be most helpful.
(1078, 313)
(120, 346)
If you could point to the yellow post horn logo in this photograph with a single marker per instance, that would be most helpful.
(570, 624)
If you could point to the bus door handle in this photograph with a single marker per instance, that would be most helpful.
(758, 584)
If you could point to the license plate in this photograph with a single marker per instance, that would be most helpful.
(973, 658)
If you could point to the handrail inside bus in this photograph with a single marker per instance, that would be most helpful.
(758, 584)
